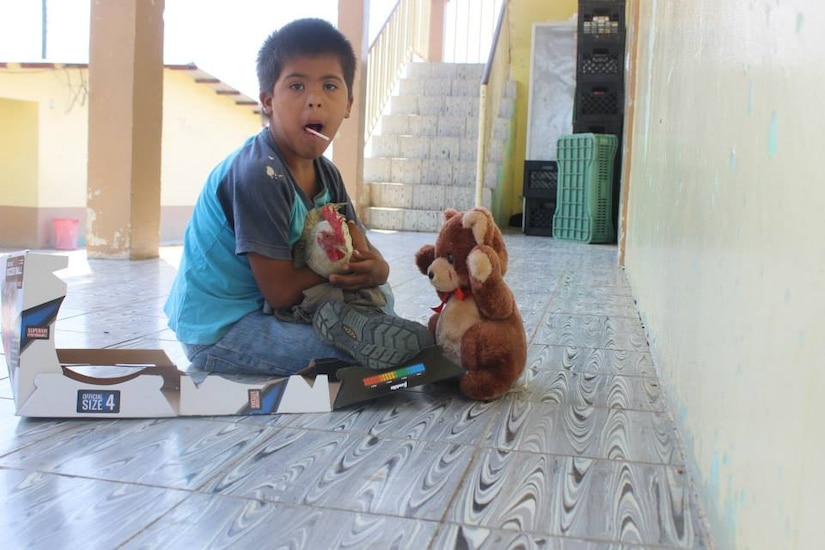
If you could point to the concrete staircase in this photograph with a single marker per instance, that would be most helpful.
(422, 157)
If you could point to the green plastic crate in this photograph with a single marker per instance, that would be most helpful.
(584, 193)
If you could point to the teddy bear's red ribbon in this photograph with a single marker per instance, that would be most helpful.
(445, 297)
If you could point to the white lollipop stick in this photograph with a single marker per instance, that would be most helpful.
(314, 133)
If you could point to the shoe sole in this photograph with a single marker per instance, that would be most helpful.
(376, 341)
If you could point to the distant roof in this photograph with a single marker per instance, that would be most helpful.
(198, 75)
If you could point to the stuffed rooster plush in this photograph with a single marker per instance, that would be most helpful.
(326, 243)
(325, 246)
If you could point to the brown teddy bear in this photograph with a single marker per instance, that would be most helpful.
(477, 324)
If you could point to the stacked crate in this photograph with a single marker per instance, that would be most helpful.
(584, 188)
(539, 191)
(599, 98)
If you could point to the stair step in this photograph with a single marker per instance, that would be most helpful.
(439, 125)
(402, 219)
(424, 105)
(422, 196)
(428, 125)
(439, 87)
(426, 172)
(466, 71)
(424, 147)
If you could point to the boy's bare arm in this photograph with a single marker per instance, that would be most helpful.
(280, 282)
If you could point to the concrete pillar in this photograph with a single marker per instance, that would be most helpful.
(348, 151)
(125, 122)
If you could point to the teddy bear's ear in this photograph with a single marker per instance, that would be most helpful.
(481, 222)
(485, 231)
(450, 212)
(424, 258)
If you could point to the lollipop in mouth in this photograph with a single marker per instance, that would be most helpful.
(315, 130)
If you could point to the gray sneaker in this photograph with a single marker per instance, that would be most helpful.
(374, 339)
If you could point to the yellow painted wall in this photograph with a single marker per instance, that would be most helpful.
(725, 253)
(523, 15)
(60, 95)
(18, 153)
(199, 129)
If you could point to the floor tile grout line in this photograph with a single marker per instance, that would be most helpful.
(622, 544)
(543, 315)
(587, 373)
(4, 454)
(148, 526)
(591, 315)
(465, 476)
(200, 489)
(587, 347)
(100, 479)
(574, 346)
(599, 407)
(600, 316)
(612, 461)
(297, 506)
(479, 445)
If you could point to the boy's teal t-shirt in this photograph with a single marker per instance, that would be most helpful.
(250, 203)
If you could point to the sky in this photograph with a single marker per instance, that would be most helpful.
(222, 37)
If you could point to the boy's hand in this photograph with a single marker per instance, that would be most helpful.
(366, 268)
(359, 240)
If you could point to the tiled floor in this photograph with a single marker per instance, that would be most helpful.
(583, 454)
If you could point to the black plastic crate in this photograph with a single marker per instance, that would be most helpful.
(599, 99)
(611, 126)
(602, 19)
(540, 179)
(600, 60)
(538, 216)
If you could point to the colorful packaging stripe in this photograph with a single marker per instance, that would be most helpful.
(397, 374)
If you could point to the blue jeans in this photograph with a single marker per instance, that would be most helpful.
(263, 344)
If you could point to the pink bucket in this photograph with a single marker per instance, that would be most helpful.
(65, 233)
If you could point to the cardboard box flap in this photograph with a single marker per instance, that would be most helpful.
(125, 357)
(360, 384)
(106, 367)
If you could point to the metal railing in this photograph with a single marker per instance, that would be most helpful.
(403, 37)
(491, 93)
(469, 28)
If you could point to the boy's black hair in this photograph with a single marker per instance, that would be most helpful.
(303, 37)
